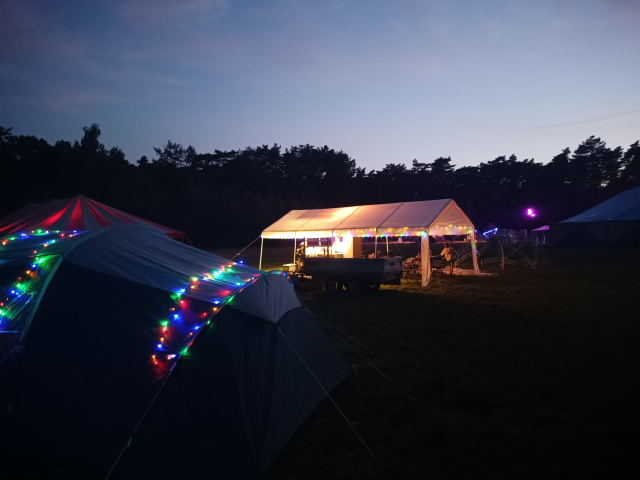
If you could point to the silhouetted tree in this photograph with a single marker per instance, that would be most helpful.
(228, 197)
(174, 155)
(630, 175)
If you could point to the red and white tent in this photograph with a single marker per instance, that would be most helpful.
(76, 213)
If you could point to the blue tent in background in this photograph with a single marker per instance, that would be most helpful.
(615, 222)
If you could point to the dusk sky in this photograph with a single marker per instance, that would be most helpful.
(384, 81)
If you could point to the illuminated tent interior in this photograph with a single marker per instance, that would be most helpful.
(123, 352)
(78, 213)
(613, 222)
(410, 219)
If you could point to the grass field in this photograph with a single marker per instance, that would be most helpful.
(527, 374)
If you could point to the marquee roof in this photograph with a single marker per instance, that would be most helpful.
(389, 219)
(76, 213)
(624, 206)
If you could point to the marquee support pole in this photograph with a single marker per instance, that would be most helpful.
(295, 242)
(474, 252)
(261, 246)
(375, 244)
(425, 261)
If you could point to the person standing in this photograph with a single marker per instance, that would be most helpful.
(447, 253)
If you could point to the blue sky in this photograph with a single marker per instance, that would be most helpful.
(385, 81)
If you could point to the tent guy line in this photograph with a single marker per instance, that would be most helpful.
(366, 360)
(328, 396)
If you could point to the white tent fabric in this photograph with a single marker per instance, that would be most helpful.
(424, 218)
(624, 206)
(441, 217)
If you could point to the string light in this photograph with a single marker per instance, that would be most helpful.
(176, 334)
(177, 331)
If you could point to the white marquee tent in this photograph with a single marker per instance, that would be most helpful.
(430, 217)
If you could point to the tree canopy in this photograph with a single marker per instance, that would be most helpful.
(229, 197)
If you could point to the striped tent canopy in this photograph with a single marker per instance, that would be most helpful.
(76, 213)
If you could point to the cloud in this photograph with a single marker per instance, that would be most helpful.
(584, 122)
(151, 12)
(626, 9)
(74, 100)
(17, 16)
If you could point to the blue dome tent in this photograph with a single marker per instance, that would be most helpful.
(125, 354)
(615, 222)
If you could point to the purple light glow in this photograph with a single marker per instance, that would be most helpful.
(531, 212)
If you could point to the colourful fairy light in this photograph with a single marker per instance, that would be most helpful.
(178, 328)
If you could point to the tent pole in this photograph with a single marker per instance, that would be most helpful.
(295, 243)
(474, 252)
(375, 244)
(425, 261)
(261, 246)
(387, 237)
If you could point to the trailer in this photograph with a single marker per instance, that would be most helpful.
(354, 274)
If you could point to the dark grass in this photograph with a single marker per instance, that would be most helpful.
(528, 374)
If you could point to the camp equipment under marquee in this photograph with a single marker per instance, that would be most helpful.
(404, 219)
(125, 354)
(78, 213)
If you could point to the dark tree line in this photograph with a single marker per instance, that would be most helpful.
(228, 197)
